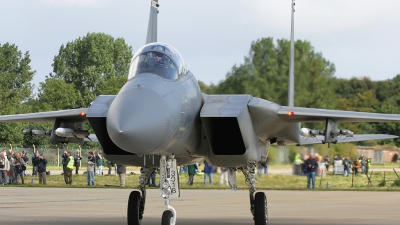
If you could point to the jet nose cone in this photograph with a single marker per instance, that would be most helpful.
(138, 120)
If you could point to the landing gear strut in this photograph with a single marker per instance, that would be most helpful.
(137, 199)
(258, 201)
(169, 187)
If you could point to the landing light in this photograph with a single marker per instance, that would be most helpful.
(82, 114)
(290, 113)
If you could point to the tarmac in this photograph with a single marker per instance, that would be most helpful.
(66, 206)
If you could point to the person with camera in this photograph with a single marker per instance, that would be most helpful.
(41, 163)
(77, 161)
(63, 161)
(12, 174)
(19, 166)
(99, 163)
(4, 167)
(24, 156)
(34, 166)
(312, 166)
(90, 169)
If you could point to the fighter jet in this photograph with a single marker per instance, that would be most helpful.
(161, 119)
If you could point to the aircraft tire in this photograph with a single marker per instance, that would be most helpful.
(133, 208)
(166, 217)
(260, 209)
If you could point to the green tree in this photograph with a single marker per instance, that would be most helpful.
(349, 88)
(95, 64)
(15, 88)
(207, 89)
(56, 94)
(265, 72)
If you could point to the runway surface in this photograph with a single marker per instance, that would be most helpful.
(74, 206)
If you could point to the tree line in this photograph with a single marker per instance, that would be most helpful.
(99, 63)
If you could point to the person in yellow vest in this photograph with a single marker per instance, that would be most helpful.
(69, 166)
(297, 165)
(368, 165)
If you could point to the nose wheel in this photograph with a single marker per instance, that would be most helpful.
(167, 218)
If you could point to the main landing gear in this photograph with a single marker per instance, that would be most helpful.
(169, 187)
(258, 201)
(137, 199)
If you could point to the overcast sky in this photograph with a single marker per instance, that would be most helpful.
(361, 37)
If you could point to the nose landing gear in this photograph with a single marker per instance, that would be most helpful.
(169, 187)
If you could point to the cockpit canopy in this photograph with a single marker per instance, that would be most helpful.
(160, 59)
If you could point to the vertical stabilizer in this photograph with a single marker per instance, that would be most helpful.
(152, 28)
(291, 63)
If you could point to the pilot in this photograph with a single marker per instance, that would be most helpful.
(159, 61)
(158, 58)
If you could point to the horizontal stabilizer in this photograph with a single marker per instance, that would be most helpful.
(355, 138)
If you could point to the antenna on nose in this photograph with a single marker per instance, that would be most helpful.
(291, 64)
(152, 28)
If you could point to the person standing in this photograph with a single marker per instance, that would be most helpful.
(208, 172)
(368, 163)
(24, 156)
(64, 159)
(77, 161)
(90, 169)
(13, 171)
(327, 160)
(100, 161)
(345, 166)
(153, 179)
(224, 176)
(363, 164)
(41, 163)
(19, 168)
(191, 171)
(4, 167)
(312, 166)
(110, 165)
(68, 168)
(121, 170)
(95, 161)
(356, 167)
(9, 154)
(297, 163)
(34, 166)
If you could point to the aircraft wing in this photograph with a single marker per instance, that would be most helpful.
(356, 137)
(282, 123)
(299, 114)
(73, 115)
